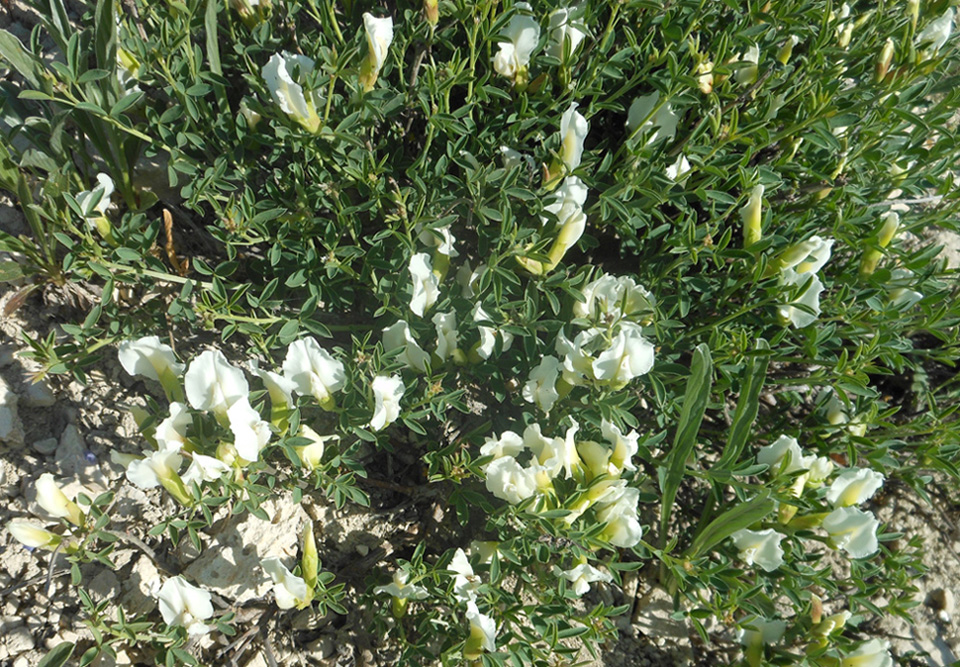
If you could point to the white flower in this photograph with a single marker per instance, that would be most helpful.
(314, 371)
(623, 526)
(573, 132)
(399, 336)
(483, 633)
(760, 547)
(567, 205)
(280, 388)
(94, 203)
(440, 238)
(182, 603)
(747, 75)
(582, 576)
(937, 32)
(663, 119)
(387, 391)
(541, 387)
(287, 93)
(29, 534)
(213, 384)
(149, 472)
(379, 37)
(204, 469)
(629, 355)
(679, 169)
(465, 582)
(446, 326)
(808, 256)
(426, 285)
(577, 363)
(508, 480)
(853, 530)
(400, 589)
(624, 447)
(820, 468)
(171, 433)
(467, 279)
(149, 357)
(564, 28)
(52, 499)
(611, 298)
(290, 590)
(519, 39)
(874, 653)
(488, 335)
(809, 297)
(250, 432)
(511, 158)
(853, 487)
(508, 444)
(553, 454)
(783, 453)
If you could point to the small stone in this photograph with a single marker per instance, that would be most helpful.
(321, 648)
(6, 355)
(363, 549)
(941, 599)
(46, 446)
(38, 395)
(11, 430)
(18, 640)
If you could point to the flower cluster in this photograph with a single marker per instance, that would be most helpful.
(213, 386)
(525, 467)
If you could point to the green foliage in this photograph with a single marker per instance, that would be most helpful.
(232, 218)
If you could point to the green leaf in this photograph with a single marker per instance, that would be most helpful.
(213, 46)
(694, 405)
(747, 406)
(13, 54)
(741, 516)
(105, 35)
(10, 270)
(58, 656)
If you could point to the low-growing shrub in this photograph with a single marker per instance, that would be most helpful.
(650, 291)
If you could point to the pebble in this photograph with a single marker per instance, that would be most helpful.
(6, 355)
(46, 446)
(18, 640)
(38, 395)
(11, 430)
(941, 599)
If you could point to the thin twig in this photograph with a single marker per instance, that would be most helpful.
(53, 560)
(933, 199)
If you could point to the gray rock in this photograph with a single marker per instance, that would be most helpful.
(38, 395)
(46, 446)
(11, 429)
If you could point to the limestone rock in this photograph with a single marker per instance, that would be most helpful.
(230, 565)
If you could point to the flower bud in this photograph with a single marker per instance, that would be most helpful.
(31, 535)
(705, 77)
(890, 222)
(752, 216)
(783, 55)
(53, 500)
(883, 62)
(379, 37)
(432, 10)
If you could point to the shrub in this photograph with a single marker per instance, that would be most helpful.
(645, 287)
